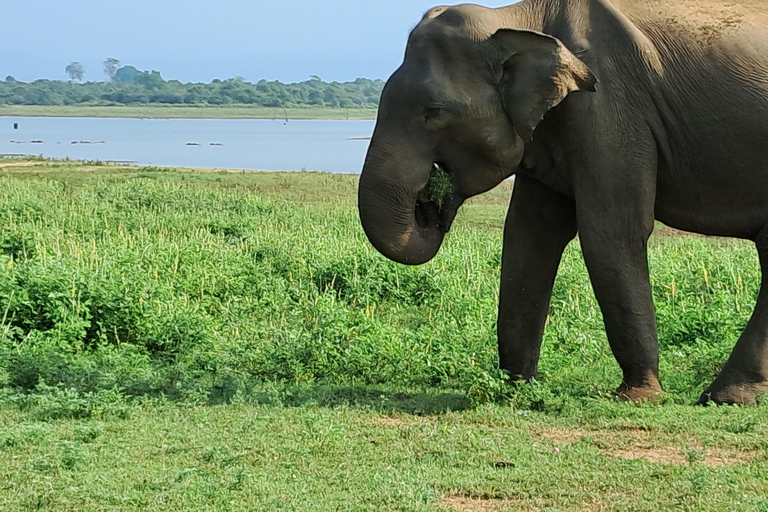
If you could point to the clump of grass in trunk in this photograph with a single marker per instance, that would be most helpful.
(440, 186)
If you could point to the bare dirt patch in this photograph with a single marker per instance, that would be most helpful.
(40, 167)
(16, 164)
(561, 436)
(468, 503)
(631, 443)
(712, 457)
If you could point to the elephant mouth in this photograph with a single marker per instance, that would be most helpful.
(437, 202)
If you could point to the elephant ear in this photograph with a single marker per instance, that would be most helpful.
(537, 73)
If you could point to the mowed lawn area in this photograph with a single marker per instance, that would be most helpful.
(174, 339)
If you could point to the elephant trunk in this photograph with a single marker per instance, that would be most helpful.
(397, 215)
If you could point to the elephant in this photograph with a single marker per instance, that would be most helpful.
(610, 115)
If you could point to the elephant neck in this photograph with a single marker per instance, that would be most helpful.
(534, 15)
(567, 20)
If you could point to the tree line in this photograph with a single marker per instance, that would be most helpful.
(130, 86)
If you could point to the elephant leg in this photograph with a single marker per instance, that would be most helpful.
(745, 374)
(539, 225)
(615, 198)
(622, 286)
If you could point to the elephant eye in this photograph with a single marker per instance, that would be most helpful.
(432, 113)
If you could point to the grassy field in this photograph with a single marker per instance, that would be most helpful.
(187, 112)
(186, 340)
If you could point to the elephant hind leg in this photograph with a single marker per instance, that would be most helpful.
(745, 374)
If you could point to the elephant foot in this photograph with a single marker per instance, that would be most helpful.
(649, 391)
(518, 378)
(733, 393)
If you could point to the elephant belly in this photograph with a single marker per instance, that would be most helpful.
(721, 204)
(713, 175)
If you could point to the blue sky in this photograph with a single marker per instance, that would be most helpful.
(199, 40)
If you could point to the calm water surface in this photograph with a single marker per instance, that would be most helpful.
(331, 146)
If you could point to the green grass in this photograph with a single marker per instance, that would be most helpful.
(183, 340)
(187, 112)
(439, 186)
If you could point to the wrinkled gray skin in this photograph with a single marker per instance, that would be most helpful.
(610, 114)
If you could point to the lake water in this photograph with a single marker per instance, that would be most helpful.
(254, 144)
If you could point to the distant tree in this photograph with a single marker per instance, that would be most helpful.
(75, 71)
(151, 79)
(133, 86)
(126, 75)
(110, 67)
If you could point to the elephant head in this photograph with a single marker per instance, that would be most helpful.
(466, 99)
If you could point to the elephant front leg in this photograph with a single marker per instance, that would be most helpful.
(745, 375)
(615, 190)
(618, 269)
(539, 225)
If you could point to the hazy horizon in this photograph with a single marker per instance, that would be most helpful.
(198, 41)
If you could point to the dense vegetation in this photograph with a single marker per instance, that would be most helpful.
(131, 300)
(132, 87)
(153, 281)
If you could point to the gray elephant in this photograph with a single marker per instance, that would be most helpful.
(610, 114)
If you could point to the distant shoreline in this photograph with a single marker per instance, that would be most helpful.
(189, 112)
